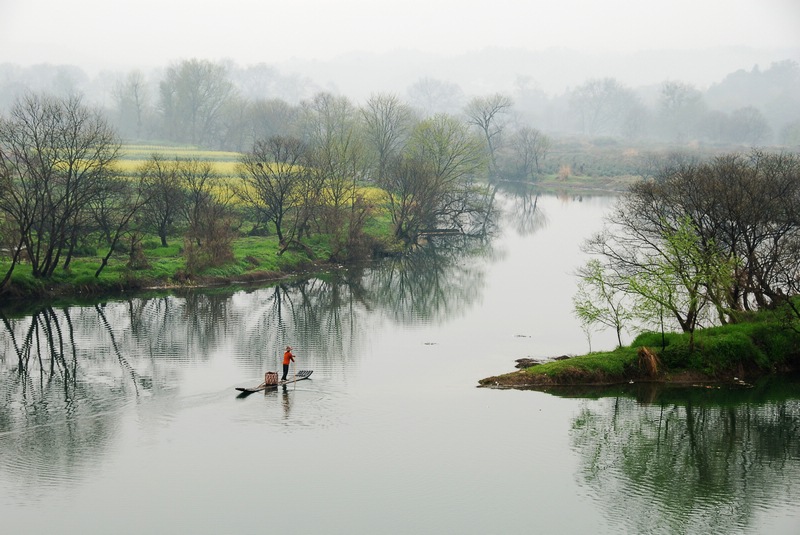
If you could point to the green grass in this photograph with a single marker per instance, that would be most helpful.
(760, 344)
(599, 365)
(254, 258)
(762, 340)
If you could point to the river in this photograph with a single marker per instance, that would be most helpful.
(121, 416)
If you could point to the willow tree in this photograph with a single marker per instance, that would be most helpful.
(599, 301)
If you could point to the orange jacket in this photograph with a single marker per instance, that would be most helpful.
(287, 356)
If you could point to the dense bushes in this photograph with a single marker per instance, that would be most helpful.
(759, 344)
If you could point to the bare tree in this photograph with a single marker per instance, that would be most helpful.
(132, 102)
(208, 214)
(529, 148)
(486, 113)
(602, 106)
(268, 118)
(115, 210)
(387, 122)
(748, 126)
(56, 154)
(337, 156)
(429, 185)
(162, 183)
(272, 175)
(681, 107)
(432, 96)
(192, 96)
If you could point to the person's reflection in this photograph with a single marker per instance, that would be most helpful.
(285, 401)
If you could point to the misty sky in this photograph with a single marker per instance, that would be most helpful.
(147, 33)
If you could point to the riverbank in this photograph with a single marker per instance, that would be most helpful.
(587, 185)
(256, 259)
(765, 343)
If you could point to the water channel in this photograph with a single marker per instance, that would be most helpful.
(121, 416)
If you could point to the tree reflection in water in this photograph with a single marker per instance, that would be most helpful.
(691, 461)
(66, 373)
(55, 424)
(521, 208)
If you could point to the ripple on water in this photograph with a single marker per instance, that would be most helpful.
(56, 450)
(291, 407)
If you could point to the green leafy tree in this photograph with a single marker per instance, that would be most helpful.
(599, 301)
(674, 272)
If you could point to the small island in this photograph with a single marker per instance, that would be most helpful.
(763, 343)
(710, 249)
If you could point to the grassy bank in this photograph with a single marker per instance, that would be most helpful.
(255, 258)
(765, 343)
(584, 184)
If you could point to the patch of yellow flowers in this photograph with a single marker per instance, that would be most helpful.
(224, 164)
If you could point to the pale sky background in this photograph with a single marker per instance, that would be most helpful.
(145, 33)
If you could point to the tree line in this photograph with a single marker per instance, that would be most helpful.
(61, 194)
(221, 105)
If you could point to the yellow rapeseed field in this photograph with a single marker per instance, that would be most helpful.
(132, 157)
(223, 163)
(143, 152)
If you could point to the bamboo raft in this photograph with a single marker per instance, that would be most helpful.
(299, 376)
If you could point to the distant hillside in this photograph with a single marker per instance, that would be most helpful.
(553, 70)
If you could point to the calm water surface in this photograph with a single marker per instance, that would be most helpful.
(135, 427)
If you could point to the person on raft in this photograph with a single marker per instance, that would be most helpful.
(287, 358)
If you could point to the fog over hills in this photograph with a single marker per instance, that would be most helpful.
(553, 70)
(561, 91)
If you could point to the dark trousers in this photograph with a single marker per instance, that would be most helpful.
(285, 371)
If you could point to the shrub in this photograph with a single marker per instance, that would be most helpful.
(777, 342)
(718, 351)
(677, 354)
